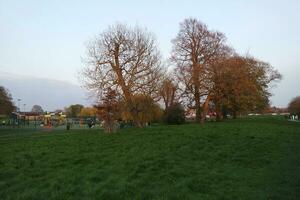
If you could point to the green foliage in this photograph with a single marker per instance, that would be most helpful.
(253, 158)
(174, 114)
(6, 104)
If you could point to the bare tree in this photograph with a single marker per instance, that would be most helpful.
(126, 60)
(169, 92)
(194, 49)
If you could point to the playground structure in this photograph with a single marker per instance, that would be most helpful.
(54, 119)
(47, 120)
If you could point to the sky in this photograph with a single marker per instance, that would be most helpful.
(47, 39)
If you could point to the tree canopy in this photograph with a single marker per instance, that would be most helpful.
(6, 104)
(87, 112)
(195, 49)
(205, 71)
(74, 110)
(241, 84)
(125, 60)
(37, 109)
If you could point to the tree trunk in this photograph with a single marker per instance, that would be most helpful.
(205, 108)
(134, 113)
(234, 114)
(219, 115)
(198, 108)
(224, 112)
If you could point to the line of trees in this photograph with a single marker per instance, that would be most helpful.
(205, 69)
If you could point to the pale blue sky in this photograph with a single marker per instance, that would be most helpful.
(46, 39)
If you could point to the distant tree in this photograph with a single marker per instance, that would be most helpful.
(37, 109)
(74, 110)
(6, 104)
(174, 114)
(294, 106)
(125, 60)
(195, 48)
(88, 112)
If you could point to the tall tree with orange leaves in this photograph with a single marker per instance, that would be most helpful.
(195, 48)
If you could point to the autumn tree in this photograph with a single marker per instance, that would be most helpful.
(125, 60)
(220, 75)
(88, 112)
(257, 77)
(195, 48)
(144, 108)
(6, 104)
(241, 84)
(294, 106)
(74, 110)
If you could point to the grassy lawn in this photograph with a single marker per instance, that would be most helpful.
(253, 158)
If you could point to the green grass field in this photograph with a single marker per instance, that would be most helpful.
(252, 158)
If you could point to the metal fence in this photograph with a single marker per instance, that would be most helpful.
(71, 123)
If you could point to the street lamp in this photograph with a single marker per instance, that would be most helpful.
(18, 112)
(24, 114)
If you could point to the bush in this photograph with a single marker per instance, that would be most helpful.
(174, 114)
(141, 110)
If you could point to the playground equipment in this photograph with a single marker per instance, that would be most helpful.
(54, 119)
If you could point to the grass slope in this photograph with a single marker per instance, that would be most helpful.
(253, 158)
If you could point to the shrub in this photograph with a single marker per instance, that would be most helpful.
(294, 106)
(174, 114)
(141, 110)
